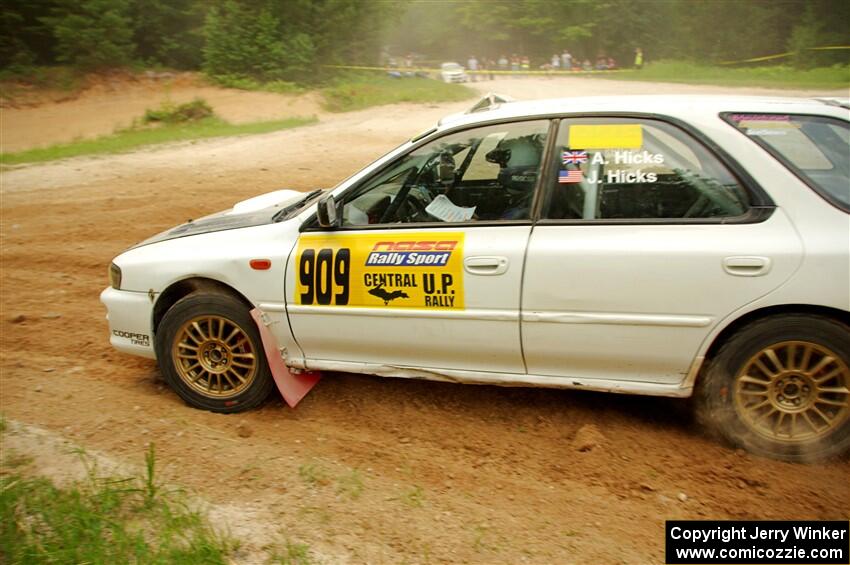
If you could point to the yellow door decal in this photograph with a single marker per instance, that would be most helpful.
(380, 270)
(613, 136)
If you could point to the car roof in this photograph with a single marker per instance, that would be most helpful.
(679, 106)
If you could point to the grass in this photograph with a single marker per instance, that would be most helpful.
(245, 83)
(356, 92)
(103, 520)
(131, 139)
(318, 514)
(413, 498)
(170, 113)
(350, 485)
(293, 554)
(313, 474)
(777, 76)
(480, 543)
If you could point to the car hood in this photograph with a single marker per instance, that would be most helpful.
(252, 212)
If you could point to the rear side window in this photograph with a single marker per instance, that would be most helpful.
(638, 170)
(815, 148)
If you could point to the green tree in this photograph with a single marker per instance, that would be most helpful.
(26, 40)
(823, 24)
(92, 34)
(240, 42)
(168, 32)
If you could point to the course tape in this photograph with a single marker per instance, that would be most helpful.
(830, 47)
(478, 72)
(783, 55)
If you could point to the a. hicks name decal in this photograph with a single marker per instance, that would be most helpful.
(418, 270)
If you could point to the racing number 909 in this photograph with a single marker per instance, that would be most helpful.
(320, 272)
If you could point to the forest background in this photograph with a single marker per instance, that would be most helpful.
(258, 41)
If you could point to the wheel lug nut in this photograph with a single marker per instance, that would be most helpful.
(780, 398)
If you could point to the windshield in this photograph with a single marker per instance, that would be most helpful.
(815, 148)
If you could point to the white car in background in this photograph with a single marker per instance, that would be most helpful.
(452, 72)
(671, 246)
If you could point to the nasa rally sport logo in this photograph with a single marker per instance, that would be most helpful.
(411, 253)
(410, 270)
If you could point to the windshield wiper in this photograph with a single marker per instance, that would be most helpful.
(287, 211)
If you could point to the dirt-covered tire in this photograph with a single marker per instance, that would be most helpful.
(780, 387)
(210, 353)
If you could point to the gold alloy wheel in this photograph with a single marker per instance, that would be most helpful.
(793, 392)
(214, 356)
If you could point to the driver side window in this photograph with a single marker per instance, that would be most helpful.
(486, 173)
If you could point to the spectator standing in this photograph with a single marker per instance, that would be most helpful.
(472, 65)
(515, 65)
(503, 63)
(638, 58)
(525, 65)
(566, 60)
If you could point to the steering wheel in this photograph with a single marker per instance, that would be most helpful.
(400, 197)
(413, 210)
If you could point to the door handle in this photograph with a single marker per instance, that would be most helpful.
(747, 266)
(485, 265)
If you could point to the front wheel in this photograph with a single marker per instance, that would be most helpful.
(780, 387)
(210, 353)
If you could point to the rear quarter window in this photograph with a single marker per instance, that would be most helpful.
(815, 148)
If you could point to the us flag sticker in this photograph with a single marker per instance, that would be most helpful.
(569, 177)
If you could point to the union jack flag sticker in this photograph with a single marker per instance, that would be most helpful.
(574, 157)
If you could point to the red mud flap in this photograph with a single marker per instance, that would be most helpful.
(293, 387)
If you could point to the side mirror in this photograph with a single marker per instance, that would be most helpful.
(326, 212)
(446, 169)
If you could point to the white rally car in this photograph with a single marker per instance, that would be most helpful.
(669, 246)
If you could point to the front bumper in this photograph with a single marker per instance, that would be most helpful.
(130, 316)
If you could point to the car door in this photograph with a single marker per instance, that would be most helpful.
(647, 240)
(425, 270)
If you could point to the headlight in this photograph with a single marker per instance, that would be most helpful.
(115, 276)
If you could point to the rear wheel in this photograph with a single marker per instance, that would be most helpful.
(210, 352)
(781, 387)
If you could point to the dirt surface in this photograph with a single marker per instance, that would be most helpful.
(365, 470)
(108, 105)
